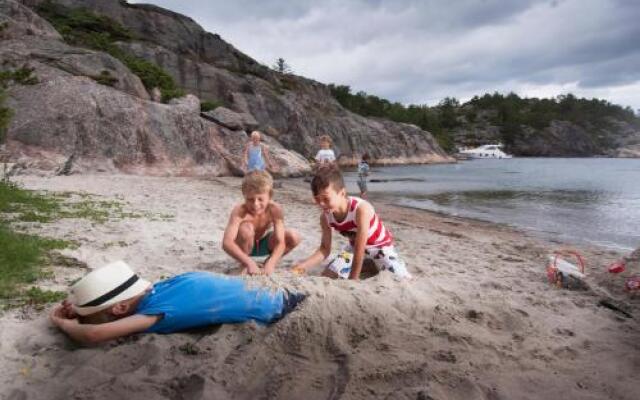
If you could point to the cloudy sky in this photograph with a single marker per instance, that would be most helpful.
(420, 51)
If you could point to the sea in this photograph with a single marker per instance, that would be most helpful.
(572, 200)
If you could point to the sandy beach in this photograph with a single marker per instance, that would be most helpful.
(478, 321)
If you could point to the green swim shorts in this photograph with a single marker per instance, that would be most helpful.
(261, 246)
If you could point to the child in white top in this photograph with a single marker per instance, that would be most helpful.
(325, 155)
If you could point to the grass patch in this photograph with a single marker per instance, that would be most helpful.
(209, 105)
(81, 27)
(21, 257)
(105, 78)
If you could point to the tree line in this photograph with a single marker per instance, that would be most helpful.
(509, 112)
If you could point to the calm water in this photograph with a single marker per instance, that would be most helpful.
(574, 200)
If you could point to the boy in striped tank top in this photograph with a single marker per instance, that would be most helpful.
(355, 219)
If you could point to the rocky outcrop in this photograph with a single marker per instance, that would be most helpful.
(88, 112)
(52, 59)
(18, 22)
(104, 129)
(294, 110)
(616, 138)
(231, 119)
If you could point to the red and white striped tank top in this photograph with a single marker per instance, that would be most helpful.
(377, 236)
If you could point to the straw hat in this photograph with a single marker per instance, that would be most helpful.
(104, 287)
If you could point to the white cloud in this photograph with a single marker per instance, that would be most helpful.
(421, 51)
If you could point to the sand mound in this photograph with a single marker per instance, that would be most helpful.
(477, 322)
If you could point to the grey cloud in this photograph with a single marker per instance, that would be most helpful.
(420, 51)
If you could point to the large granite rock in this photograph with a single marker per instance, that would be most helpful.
(231, 119)
(293, 110)
(19, 22)
(104, 129)
(52, 58)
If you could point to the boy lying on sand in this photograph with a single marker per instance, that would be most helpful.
(355, 219)
(113, 302)
(256, 227)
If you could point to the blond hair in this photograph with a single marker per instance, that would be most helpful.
(257, 182)
(326, 138)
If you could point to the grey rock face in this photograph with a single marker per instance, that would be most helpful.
(52, 58)
(231, 119)
(20, 22)
(291, 109)
(105, 129)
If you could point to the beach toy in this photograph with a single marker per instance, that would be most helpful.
(564, 274)
(342, 263)
(632, 283)
(616, 267)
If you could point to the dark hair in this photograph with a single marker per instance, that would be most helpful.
(365, 157)
(326, 176)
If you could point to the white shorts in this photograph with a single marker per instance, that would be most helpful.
(384, 258)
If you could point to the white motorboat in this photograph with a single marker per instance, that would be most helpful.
(486, 151)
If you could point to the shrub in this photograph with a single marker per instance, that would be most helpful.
(209, 105)
(81, 27)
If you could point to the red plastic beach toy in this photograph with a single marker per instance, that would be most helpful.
(562, 273)
(632, 283)
(616, 267)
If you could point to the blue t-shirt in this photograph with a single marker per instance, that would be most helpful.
(197, 299)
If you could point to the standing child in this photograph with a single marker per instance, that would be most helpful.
(363, 173)
(256, 154)
(355, 219)
(325, 155)
(256, 227)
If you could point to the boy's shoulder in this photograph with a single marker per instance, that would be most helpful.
(275, 210)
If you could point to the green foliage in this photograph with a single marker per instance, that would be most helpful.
(16, 200)
(22, 76)
(209, 105)
(511, 113)
(281, 66)
(438, 120)
(37, 296)
(21, 256)
(105, 78)
(5, 116)
(81, 27)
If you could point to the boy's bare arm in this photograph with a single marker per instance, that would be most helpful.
(230, 246)
(363, 219)
(96, 333)
(277, 216)
(322, 252)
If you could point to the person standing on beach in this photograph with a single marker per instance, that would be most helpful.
(325, 155)
(363, 174)
(355, 219)
(256, 155)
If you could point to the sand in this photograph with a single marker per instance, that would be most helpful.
(478, 321)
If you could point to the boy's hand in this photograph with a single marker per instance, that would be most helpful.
(59, 316)
(67, 310)
(253, 269)
(298, 270)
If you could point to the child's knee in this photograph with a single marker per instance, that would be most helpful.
(292, 238)
(246, 232)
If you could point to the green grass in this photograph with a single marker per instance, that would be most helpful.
(21, 257)
(81, 27)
